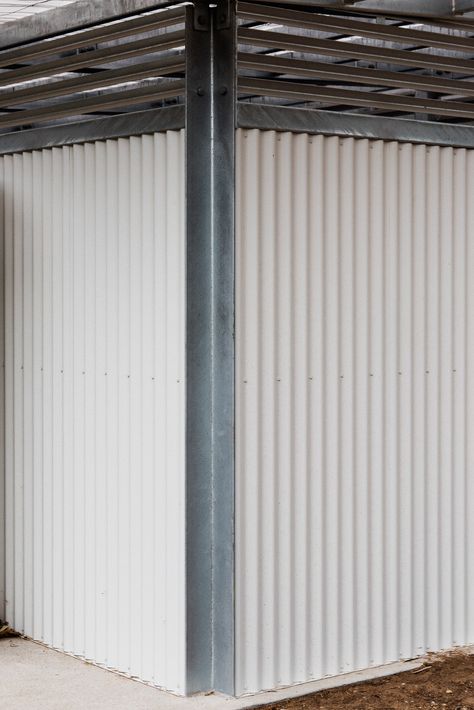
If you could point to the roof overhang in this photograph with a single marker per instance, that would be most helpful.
(86, 13)
(78, 15)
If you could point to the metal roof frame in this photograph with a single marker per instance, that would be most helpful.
(100, 57)
(77, 16)
(86, 13)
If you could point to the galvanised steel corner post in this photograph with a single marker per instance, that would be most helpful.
(210, 197)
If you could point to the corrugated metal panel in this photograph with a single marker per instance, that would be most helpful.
(2, 417)
(355, 404)
(95, 311)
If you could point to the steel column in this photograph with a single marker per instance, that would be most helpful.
(210, 182)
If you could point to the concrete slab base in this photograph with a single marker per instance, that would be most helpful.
(33, 677)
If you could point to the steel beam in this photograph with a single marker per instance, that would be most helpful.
(87, 38)
(210, 187)
(347, 74)
(346, 97)
(426, 8)
(134, 72)
(170, 40)
(87, 13)
(76, 16)
(343, 25)
(404, 8)
(335, 123)
(351, 50)
(81, 106)
(137, 123)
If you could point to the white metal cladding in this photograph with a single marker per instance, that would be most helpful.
(94, 272)
(355, 404)
(2, 421)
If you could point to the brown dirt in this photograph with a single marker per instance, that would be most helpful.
(6, 631)
(445, 682)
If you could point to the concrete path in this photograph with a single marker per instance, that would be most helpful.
(33, 677)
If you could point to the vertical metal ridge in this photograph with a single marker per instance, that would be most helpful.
(99, 632)
(404, 394)
(112, 385)
(346, 398)
(469, 382)
(9, 390)
(2, 400)
(146, 204)
(373, 371)
(94, 344)
(299, 287)
(27, 367)
(459, 317)
(418, 363)
(136, 389)
(363, 235)
(365, 368)
(91, 383)
(446, 372)
(17, 326)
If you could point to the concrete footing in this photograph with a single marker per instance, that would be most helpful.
(33, 677)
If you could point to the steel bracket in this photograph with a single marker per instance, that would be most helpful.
(202, 15)
(223, 14)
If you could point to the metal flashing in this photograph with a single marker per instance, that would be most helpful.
(297, 120)
(129, 124)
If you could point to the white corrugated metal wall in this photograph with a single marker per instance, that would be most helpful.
(2, 419)
(355, 404)
(95, 313)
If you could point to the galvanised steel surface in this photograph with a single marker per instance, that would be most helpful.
(355, 404)
(77, 15)
(133, 56)
(210, 189)
(122, 126)
(95, 397)
(361, 28)
(107, 32)
(300, 120)
(110, 67)
(305, 49)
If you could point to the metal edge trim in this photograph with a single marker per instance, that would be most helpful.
(136, 123)
(298, 120)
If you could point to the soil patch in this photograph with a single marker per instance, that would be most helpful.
(444, 681)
